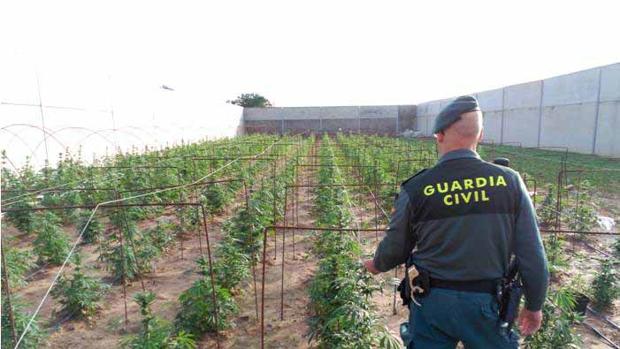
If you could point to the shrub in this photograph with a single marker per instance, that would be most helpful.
(18, 263)
(93, 231)
(121, 262)
(22, 220)
(214, 197)
(35, 334)
(18, 184)
(247, 225)
(155, 332)
(139, 250)
(605, 288)
(161, 236)
(582, 214)
(125, 222)
(547, 210)
(197, 313)
(70, 198)
(190, 218)
(555, 253)
(340, 291)
(79, 295)
(616, 248)
(51, 244)
(232, 263)
(557, 329)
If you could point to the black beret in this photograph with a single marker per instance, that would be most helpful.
(453, 111)
(502, 161)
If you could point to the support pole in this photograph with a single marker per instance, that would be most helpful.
(212, 276)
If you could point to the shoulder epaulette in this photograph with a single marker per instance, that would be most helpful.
(412, 177)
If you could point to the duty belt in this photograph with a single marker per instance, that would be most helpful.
(481, 286)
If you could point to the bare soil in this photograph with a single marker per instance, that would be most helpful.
(172, 275)
(299, 267)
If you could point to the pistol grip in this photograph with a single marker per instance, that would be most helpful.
(417, 289)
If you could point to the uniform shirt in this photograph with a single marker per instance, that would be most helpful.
(463, 219)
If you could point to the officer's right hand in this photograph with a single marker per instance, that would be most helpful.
(529, 321)
(370, 266)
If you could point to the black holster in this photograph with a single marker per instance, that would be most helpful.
(423, 281)
(509, 296)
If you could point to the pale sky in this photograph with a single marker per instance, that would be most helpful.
(115, 54)
(311, 52)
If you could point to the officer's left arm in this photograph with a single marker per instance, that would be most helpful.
(396, 246)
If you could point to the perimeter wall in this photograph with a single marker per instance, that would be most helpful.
(381, 119)
(580, 111)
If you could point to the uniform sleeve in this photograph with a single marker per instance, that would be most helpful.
(399, 241)
(530, 252)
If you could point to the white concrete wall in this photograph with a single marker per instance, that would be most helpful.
(305, 113)
(608, 125)
(580, 111)
(382, 118)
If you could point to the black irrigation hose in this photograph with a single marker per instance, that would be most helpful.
(608, 255)
(594, 329)
(600, 334)
(601, 316)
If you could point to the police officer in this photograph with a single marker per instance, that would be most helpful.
(461, 221)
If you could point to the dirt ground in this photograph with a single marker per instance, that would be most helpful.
(172, 276)
(299, 268)
(293, 330)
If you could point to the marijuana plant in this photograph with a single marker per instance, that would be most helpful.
(51, 244)
(559, 318)
(80, 295)
(155, 332)
(605, 286)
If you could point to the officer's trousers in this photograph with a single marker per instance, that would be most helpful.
(445, 317)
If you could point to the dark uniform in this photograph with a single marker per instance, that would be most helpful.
(461, 221)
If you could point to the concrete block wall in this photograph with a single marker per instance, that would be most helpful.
(607, 139)
(384, 119)
(580, 111)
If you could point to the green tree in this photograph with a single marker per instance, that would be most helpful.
(251, 100)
